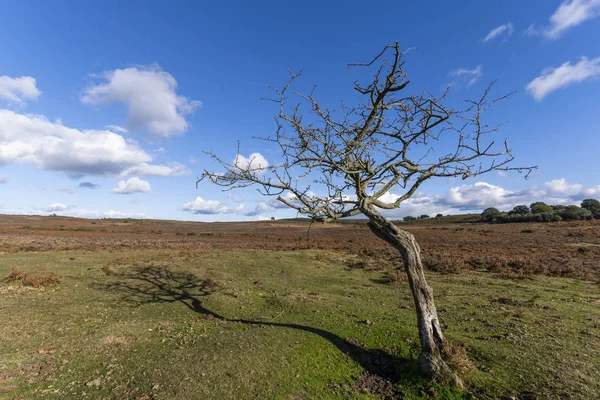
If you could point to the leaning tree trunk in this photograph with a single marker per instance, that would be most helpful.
(432, 339)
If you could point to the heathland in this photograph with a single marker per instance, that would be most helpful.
(146, 309)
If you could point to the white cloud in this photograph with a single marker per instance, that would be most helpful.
(132, 185)
(17, 90)
(255, 163)
(261, 208)
(567, 74)
(171, 169)
(201, 206)
(150, 96)
(562, 187)
(85, 213)
(56, 207)
(52, 146)
(470, 76)
(33, 139)
(569, 14)
(503, 30)
(116, 128)
(4, 179)
(481, 195)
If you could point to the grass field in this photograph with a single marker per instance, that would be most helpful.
(239, 311)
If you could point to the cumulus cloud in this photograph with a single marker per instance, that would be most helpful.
(207, 207)
(17, 90)
(4, 179)
(171, 169)
(504, 30)
(481, 195)
(35, 140)
(132, 185)
(88, 185)
(150, 95)
(470, 76)
(567, 74)
(56, 207)
(254, 163)
(569, 14)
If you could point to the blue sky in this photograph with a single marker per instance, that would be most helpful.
(106, 107)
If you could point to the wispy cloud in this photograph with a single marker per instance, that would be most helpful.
(88, 185)
(503, 30)
(470, 76)
(567, 74)
(569, 14)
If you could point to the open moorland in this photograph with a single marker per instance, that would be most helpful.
(145, 309)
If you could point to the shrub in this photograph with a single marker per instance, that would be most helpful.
(575, 213)
(424, 216)
(34, 280)
(519, 210)
(490, 214)
(439, 216)
(408, 218)
(444, 264)
(593, 206)
(540, 207)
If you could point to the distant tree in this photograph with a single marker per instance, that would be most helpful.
(272, 218)
(540, 207)
(340, 163)
(424, 216)
(408, 218)
(439, 216)
(490, 214)
(519, 210)
(575, 213)
(593, 206)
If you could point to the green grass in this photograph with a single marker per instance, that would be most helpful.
(280, 325)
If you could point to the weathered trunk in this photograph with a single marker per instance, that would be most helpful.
(430, 334)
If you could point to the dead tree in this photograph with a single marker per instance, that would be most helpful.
(340, 164)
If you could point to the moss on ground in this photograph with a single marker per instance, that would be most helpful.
(185, 324)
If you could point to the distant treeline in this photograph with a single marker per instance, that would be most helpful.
(542, 212)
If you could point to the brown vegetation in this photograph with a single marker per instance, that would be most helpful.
(448, 244)
(42, 278)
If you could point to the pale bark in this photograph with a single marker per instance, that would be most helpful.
(432, 339)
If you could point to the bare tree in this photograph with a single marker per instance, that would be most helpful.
(338, 164)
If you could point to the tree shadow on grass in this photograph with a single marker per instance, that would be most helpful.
(143, 285)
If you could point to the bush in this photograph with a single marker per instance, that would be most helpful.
(439, 216)
(540, 207)
(520, 210)
(575, 213)
(541, 217)
(34, 280)
(490, 214)
(593, 206)
(408, 218)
